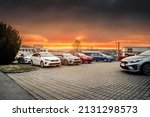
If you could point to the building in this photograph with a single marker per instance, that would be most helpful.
(29, 49)
(134, 50)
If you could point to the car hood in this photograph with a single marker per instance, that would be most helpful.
(133, 58)
(108, 56)
(51, 58)
(27, 57)
(73, 57)
(87, 57)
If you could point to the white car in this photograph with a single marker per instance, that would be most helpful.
(45, 59)
(27, 58)
(139, 63)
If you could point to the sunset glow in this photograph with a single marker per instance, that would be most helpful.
(32, 39)
(55, 24)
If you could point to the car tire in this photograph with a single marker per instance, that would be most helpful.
(94, 60)
(32, 63)
(110, 60)
(42, 64)
(65, 62)
(19, 61)
(105, 60)
(146, 69)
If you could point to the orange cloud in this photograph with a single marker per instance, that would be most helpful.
(131, 40)
(34, 39)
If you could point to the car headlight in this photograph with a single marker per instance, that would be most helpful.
(135, 61)
(27, 58)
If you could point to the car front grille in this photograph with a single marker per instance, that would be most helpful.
(54, 60)
(134, 67)
(76, 59)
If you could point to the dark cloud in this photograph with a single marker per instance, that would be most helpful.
(95, 6)
(114, 16)
(135, 9)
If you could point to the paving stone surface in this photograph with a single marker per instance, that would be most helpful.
(96, 81)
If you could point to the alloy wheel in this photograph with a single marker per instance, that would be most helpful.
(146, 69)
(42, 64)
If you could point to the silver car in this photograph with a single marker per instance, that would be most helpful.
(139, 63)
(23, 58)
(68, 59)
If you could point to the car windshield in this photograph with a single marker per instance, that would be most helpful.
(146, 53)
(46, 55)
(28, 55)
(81, 54)
(103, 54)
(67, 55)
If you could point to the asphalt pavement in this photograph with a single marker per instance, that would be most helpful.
(10, 90)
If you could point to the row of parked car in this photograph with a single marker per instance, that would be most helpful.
(57, 59)
(137, 63)
(87, 56)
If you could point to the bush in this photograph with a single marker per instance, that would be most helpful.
(10, 42)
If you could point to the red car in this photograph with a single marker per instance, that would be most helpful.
(84, 58)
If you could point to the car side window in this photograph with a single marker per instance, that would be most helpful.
(35, 55)
(100, 55)
(94, 54)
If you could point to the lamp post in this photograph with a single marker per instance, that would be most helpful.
(118, 51)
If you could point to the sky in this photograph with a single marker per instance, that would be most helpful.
(96, 23)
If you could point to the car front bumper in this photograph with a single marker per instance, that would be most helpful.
(74, 62)
(27, 61)
(134, 67)
(87, 60)
(48, 63)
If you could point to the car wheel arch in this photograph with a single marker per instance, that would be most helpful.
(65, 62)
(141, 68)
(32, 62)
(42, 62)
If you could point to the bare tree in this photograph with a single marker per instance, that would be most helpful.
(76, 45)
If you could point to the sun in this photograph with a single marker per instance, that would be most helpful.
(80, 37)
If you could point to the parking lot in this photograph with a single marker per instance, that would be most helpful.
(97, 81)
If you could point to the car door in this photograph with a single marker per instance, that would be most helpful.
(96, 57)
(38, 59)
(101, 57)
(34, 59)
